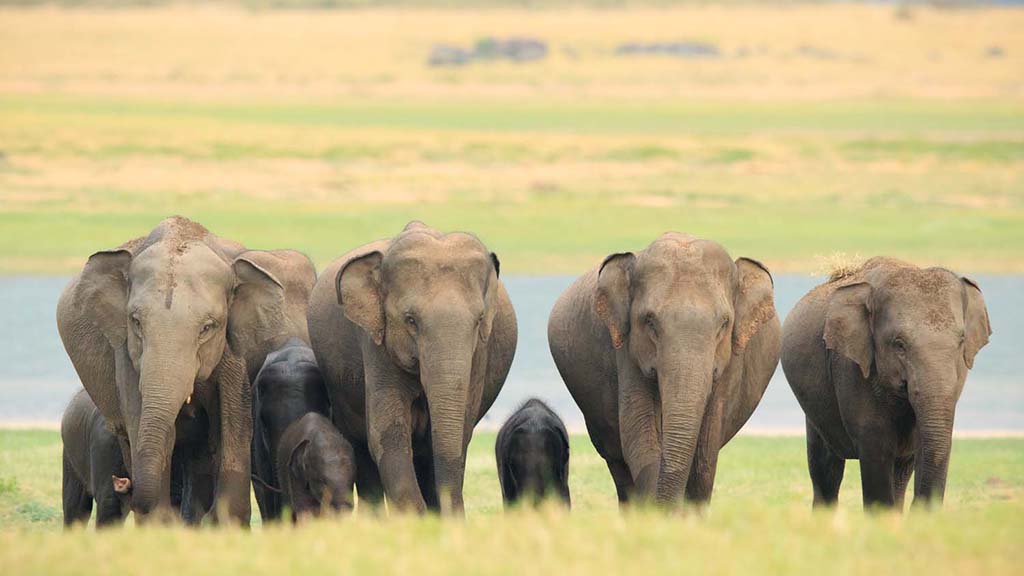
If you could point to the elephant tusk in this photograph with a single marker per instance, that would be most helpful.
(189, 399)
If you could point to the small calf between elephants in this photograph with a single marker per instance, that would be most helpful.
(532, 452)
(93, 466)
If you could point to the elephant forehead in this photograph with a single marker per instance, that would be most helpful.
(191, 266)
(429, 262)
(927, 297)
(679, 266)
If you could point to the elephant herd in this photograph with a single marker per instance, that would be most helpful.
(210, 369)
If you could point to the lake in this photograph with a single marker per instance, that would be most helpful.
(37, 380)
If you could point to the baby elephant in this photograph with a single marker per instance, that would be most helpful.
(93, 466)
(288, 386)
(316, 467)
(532, 451)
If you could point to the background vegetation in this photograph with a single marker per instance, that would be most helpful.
(798, 136)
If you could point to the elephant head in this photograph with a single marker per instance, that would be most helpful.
(684, 311)
(430, 301)
(322, 466)
(171, 306)
(914, 334)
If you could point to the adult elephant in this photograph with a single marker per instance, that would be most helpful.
(877, 358)
(166, 333)
(415, 335)
(667, 352)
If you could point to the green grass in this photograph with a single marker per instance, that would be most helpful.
(551, 187)
(760, 521)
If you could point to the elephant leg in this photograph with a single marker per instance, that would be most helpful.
(902, 470)
(638, 428)
(389, 423)
(825, 467)
(201, 480)
(77, 502)
(702, 475)
(623, 480)
(423, 461)
(234, 475)
(369, 487)
(877, 484)
(108, 507)
(701, 481)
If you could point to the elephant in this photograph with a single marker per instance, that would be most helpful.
(288, 387)
(316, 467)
(877, 358)
(92, 465)
(166, 333)
(667, 352)
(532, 452)
(415, 335)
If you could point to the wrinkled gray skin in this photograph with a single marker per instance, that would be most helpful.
(532, 453)
(91, 458)
(415, 336)
(316, 467)
(877, 359)
(288, 387)
(667, 352)
(182, 319)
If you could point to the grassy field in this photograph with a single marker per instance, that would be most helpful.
(323, 130)
(760, 521)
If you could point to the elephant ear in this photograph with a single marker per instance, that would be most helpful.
(612, 300)
(257, 316)
(976, 325)
(297, 464)
(490, 297)
(754, 303)
(360, 294)
(103, 291)
(848, 325)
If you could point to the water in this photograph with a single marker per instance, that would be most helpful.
(36, 377)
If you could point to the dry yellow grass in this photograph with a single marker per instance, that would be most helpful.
(220, 52)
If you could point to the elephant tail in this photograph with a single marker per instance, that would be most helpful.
(265, 485)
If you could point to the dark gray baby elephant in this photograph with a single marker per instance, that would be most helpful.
(877, 358)
(532, 452)
(316, 467)
(92, 460)
(288, 386)
(667, 352)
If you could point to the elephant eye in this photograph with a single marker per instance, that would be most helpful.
(963, 337)
(136, 322)
(899, 345)
(207, 328)
(651, 323)
(410, 320)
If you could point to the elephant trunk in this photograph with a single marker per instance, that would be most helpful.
(684, 383)
(164, 384)
(446, 379)
(934, 407)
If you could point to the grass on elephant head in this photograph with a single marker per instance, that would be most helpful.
(760, 522)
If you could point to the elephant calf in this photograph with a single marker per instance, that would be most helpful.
(532, 451)
(92, 460)
(316, 467)
(288, 386)
(877, 359)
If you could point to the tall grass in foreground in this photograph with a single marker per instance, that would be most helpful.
(737, 536)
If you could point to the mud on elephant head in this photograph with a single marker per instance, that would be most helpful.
(176, 313)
